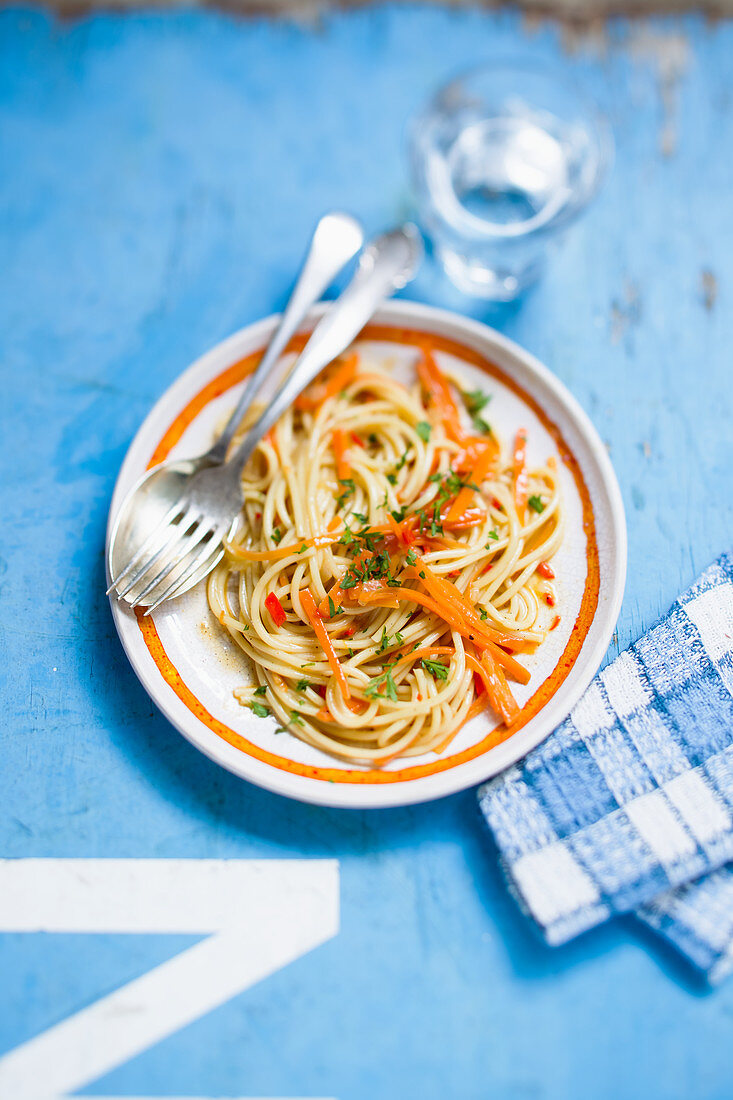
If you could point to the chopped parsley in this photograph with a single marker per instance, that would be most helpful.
(385, 680)
(332, 609)
(385, 642)
(373, 439)
(277, 536)
(261, 690)
(492, 535)
(435, 668)
(295, 718)
(303, 549)
(399, 516)
(259, 710)
(302, 685)
(454, 484)
(535, 502)
(361, 517)
(349, 490)
(483, 612)
(377, 566)
(411, 557)
(402, 459)
(392, 479)
(423, 429)
(475, 401)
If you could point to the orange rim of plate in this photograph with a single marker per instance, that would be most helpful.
(417, 338)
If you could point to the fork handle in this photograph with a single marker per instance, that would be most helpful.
(336, 239)
(386, 265)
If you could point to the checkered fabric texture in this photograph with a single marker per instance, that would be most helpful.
(628, 806)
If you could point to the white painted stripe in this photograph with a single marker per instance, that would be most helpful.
(269, 913)
(149, 895)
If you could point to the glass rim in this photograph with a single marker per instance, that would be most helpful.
(595, 121)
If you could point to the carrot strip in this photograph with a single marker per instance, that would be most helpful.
(445, 592)
(404, 532)
(391, 597)
(497, 689)
(425, 651)
(442, 542)
(241, 553)
(312, 398)
(464, 500)
(357, 706)
(471, 518)
(343, 467)
(521, 478)
(337, 593)
(438, 389)
(309, 606)
(276, 609)
(511, 666)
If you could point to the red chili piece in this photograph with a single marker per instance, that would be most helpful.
(276, 609)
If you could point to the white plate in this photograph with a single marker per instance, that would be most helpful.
(190, 668)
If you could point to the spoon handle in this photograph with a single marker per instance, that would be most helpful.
(386, 265)
(336, 239)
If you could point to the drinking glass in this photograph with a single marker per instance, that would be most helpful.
(503, 160)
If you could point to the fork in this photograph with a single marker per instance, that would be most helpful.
(189, 541)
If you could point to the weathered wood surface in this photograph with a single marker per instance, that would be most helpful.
(583, 13)
(159, 176)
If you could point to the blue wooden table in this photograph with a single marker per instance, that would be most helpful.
(158, 178)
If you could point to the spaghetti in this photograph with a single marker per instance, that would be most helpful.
(391, 564)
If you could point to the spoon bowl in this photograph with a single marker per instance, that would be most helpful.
(143, 510)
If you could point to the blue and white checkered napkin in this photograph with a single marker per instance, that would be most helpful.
(628, 806)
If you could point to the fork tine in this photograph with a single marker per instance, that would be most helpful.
(177, 532)
(178, 555)
(175, 585)
(146, 546)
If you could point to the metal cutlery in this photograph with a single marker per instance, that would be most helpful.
(170, 534)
